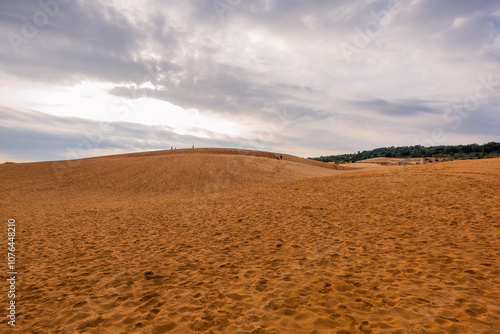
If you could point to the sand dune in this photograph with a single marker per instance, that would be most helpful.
(237, 242)
(185, 171)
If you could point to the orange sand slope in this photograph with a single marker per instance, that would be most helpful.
(160, 172)
(200, 242)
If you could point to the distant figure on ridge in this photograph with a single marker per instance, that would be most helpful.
(281, 157)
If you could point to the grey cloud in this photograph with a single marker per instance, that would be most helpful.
(397, 108)
(458, 29)
(227, 90)
(483, 121)
(83, 41)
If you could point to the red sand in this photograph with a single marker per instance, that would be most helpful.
(239, 242)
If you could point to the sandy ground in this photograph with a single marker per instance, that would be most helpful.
(239, 242)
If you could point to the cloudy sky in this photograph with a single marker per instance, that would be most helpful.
(310, 78)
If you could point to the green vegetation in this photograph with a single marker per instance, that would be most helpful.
(471, 151)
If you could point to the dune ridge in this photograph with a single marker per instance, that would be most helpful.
(156, 173)
(228, 151)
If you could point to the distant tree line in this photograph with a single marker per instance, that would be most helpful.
(471, 151)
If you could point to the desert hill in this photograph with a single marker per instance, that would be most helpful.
(159, 172)
(204, 242)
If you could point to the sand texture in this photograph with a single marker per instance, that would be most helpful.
(231, 241)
